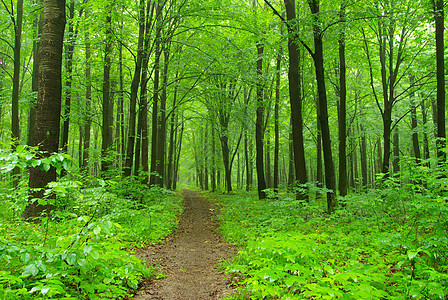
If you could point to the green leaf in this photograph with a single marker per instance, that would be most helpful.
(30, 270)
(87, 249)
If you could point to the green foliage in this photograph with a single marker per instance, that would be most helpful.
(80, 250)
(387, 244)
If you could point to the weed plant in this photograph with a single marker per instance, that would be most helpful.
(81, 250)
(387, 243)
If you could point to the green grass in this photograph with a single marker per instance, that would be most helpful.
(385, 244)
(81, 251)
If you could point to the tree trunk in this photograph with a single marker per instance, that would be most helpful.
(330, 180)
(69, 49)
(154, 176)
(87, 113)
(439, 16)
(295, 98)
(276, 121)
(34, 85)
(134, 91)
(259, 125)
(16, 75)
(414, 124)
(106, 126)
(161, 142)
(342, 107)
(425, 134)
(48, 108)
(396, 160)
(363, 154)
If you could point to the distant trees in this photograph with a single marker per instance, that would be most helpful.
(209, 94)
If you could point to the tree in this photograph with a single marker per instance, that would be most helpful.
(439, 17)
(259, 124)
(295, 96)
(48, 108)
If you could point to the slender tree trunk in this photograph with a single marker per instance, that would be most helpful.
(106, 126)
(134, 91)
(342, 107)
(16, 75)
(69, 49)
(161, 142)
(363, 154)
(396, 148)
(213, 179)
(87, 113)
(48, 108)
(425, 134)
(439, 16)
(15, 130)
(330, 180)
(268, 162)
(414, 124)
(173, 129)
(154, 177)
(176, 167)
(259, 125)
(34, 85)
(276, 122)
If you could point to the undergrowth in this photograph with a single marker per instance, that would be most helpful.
(81, 250)
(389, 243)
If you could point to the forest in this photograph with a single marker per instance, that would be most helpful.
(316, 128)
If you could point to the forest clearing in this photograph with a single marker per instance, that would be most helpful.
(256, 149)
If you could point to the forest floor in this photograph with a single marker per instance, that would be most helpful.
(189, 258)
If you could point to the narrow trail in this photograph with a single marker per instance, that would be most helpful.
(189, 257)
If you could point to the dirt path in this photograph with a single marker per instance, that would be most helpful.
(189, 257)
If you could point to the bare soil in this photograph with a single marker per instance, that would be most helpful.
(189, 258)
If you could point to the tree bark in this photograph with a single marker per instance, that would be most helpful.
(295, 98)
(276, 122)
(69, 48)
(342, 121)
(87, 113)
(259, 125)
(154, 176)
(439, 16)
(106, 125)
(134, 91)
(414, 124)
(48, 108)
(318, 58)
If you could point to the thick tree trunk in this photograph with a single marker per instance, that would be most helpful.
(295, 98)
(48, 108)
